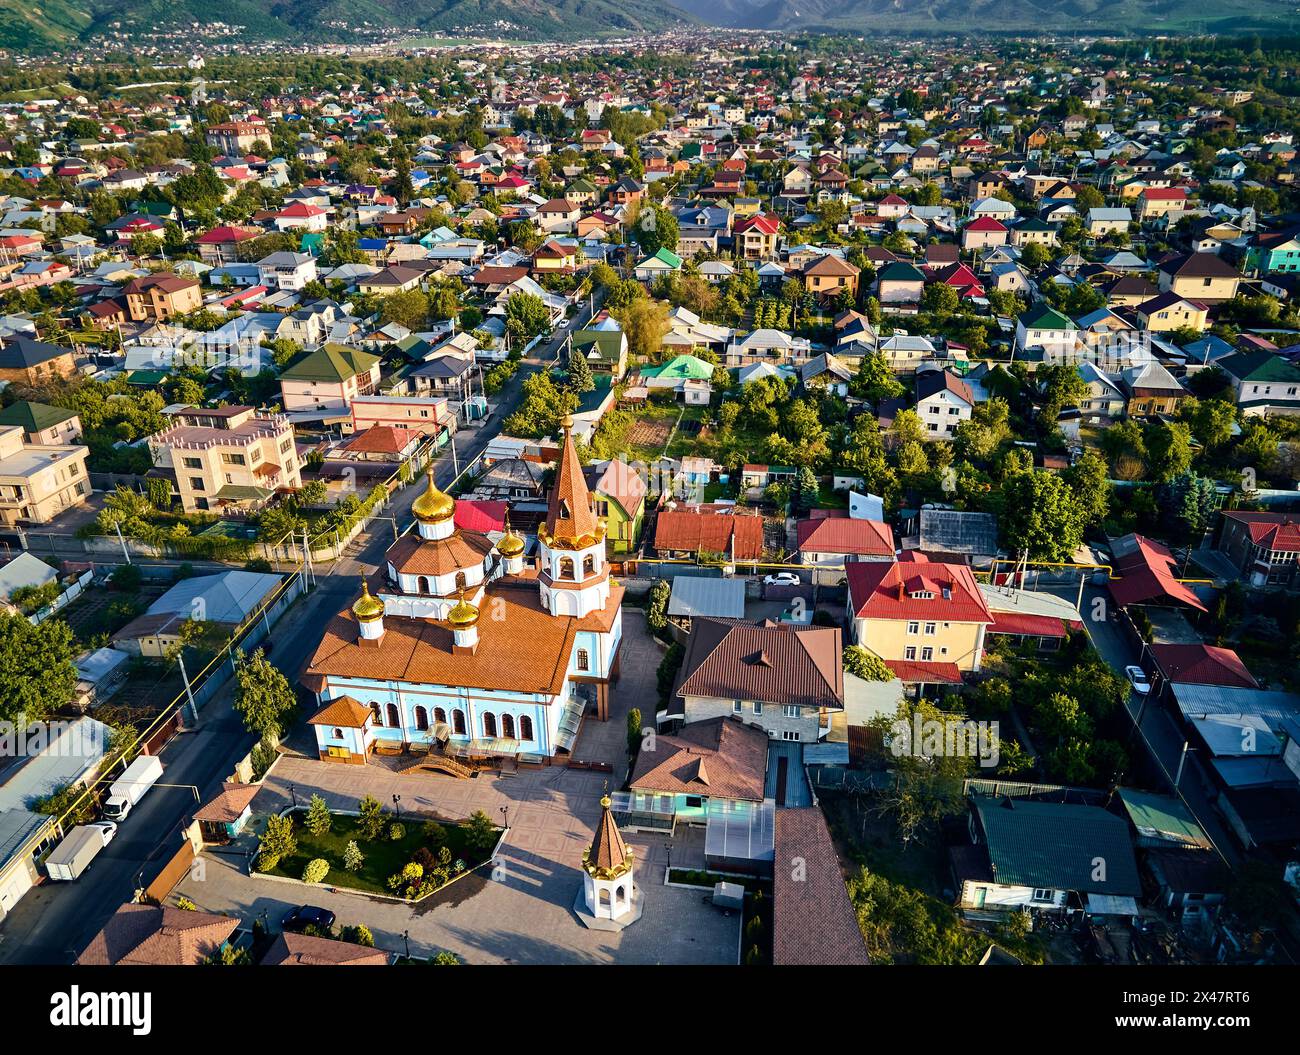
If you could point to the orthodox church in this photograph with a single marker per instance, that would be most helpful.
(466, 649)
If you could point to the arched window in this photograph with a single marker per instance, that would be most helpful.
(458, 722)
(421, 719)
(525, 727)
(584, 659)
(439, 715)
(566, 568)
(490, 724)
(423, 584)
(338, 734)
(379, 715)
(588, 565)
(394, 719)
(508, 726)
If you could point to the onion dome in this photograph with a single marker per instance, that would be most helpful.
(368, 607)
(434, 506)
(462, 614)
(511, 545)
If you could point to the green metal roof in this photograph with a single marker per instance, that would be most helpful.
(34, 417)
(1162, 816)
(333, 362)
(1060, 847)
(684, 367)
(1045, 317)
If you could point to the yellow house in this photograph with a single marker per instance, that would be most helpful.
(38, 481)
(926, 620)
(1203, 277)
(1169, 311)
(232, 458)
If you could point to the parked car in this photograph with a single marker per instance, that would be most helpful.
(305, 916)
(781, 578)
(1137, 677)
(107, 827)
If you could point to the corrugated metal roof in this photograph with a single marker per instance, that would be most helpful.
(695, 595)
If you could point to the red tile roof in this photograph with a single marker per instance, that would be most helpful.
(1275, 531)
(880, 590)
(846, 535)
(1024, 624)
(718, 758)
(913, 672)
(1146, 574)
(1202, 665)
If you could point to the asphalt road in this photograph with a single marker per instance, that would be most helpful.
(55, 921)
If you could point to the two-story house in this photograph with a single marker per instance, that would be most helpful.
(787, 680)
(328, 378)
(943, 401)
(926, 620)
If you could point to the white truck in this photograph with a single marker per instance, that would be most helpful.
(130, 787)
(79, 847)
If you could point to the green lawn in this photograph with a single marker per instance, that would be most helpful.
(383, 857)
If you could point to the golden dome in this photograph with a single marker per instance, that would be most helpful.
(433, 506)
(511, 545)
(462, 614)
(368, 607)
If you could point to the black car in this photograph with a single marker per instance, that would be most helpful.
(305, 916)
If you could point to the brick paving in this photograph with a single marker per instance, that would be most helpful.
(521, 910)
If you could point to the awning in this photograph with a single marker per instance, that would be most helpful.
(243, 493)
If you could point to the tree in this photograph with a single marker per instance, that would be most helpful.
(480, 833)
(526, 316)
(633, 730)
(1211, 420)
(263, 695)
(318, 820)
(1061, 387)
(578, 378)
(406, 307)
(656, 612)
(316, 871)
(353, 858)
(644, 322)
(1169, 448)
(865, 664)
(278, 841)
(358, 935)
(1041, 516)
(445, 959)
(1090, 483)
(654, 228)
(371, 818)
(981, 436)
(543, 408)
(874, 379)
(940, 299)
(37, 675)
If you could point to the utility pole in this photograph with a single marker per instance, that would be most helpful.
(189, 693)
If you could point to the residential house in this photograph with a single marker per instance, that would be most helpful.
(232, 458)
(1203, 277)
(224, 602)
(38, 481)
(1169, 311)
(43, 424)
(926, 620)
(1263, 383)
(1030, 854)
(943, 401)
(1152, 390)
(827, 277)
(328, 379)
(781, 678)
(732, 535)
(1265, 547)
(26, 361)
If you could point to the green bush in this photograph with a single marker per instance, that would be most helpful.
(397, 832)
(317, 869)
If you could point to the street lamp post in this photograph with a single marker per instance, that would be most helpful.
(397, 805)
(293, 793)
(505, 816)
(406, 942)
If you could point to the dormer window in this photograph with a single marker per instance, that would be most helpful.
(921, 595)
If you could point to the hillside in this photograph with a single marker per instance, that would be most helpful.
(60, 22)
(1154, 16)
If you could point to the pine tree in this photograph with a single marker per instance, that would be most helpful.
(318, 816)
(579, 377)
(353, 858)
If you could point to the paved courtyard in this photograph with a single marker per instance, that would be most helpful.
(521, 910)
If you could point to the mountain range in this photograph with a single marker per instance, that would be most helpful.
(54, 23)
